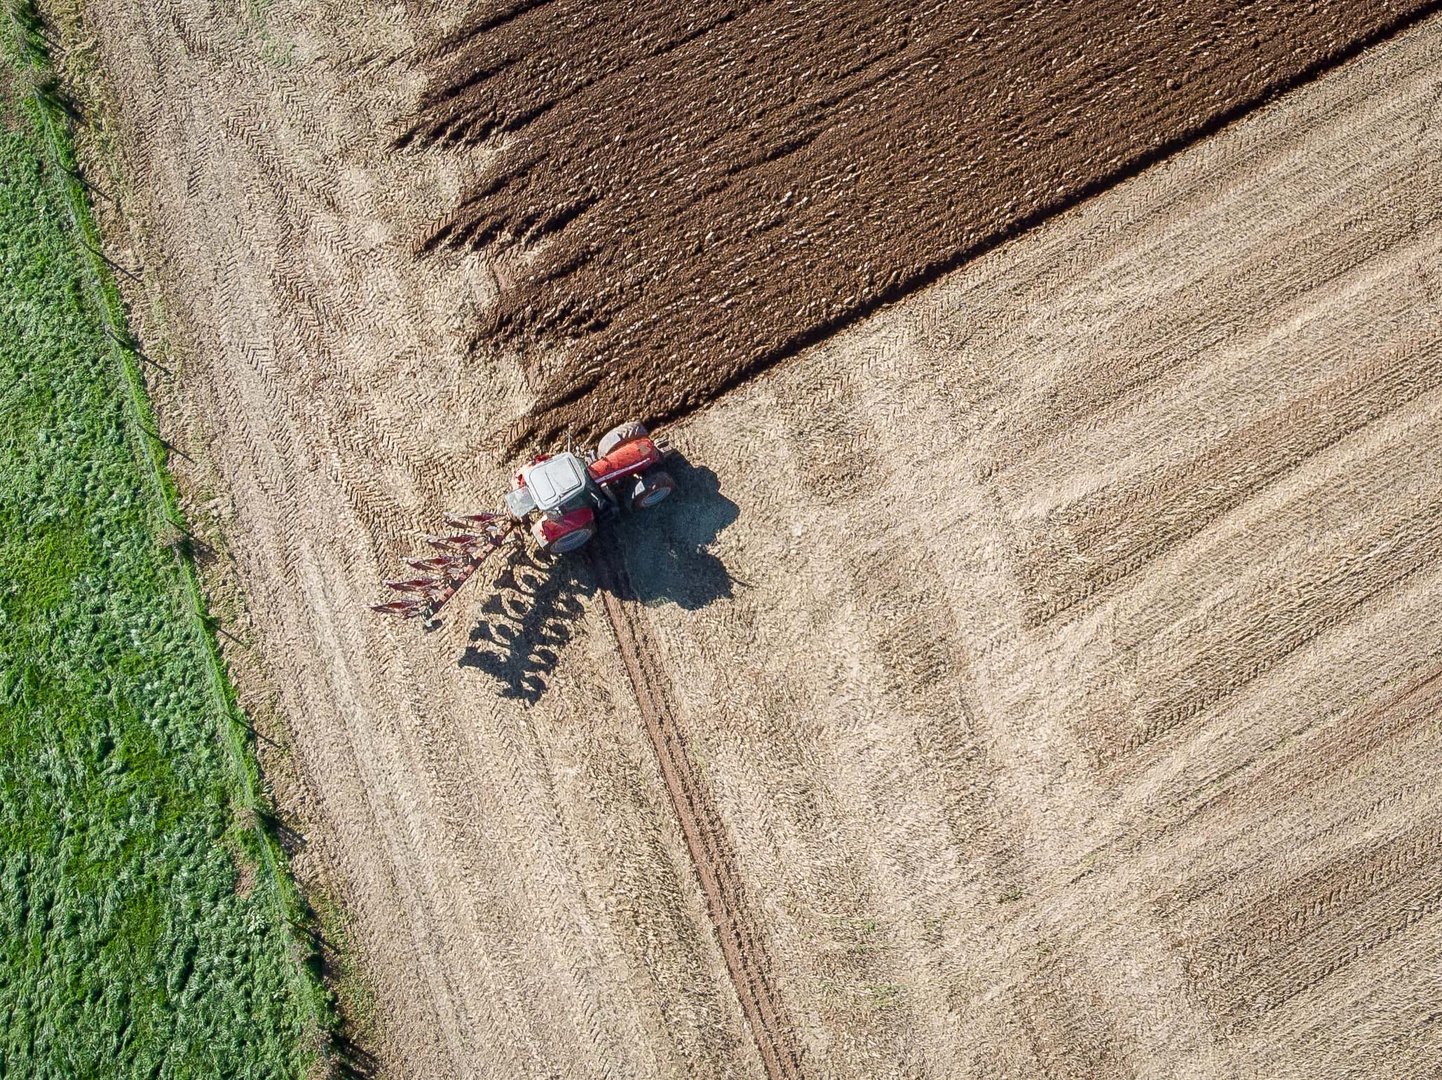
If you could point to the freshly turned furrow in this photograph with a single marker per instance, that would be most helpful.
(711, 853)
(703, 189)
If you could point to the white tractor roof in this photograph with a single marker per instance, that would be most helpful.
(556, 480)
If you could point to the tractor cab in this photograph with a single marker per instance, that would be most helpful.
(560, 484)
(565, 496)
(559, 489)
(553, 485)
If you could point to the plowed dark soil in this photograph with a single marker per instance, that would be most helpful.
(687, 193)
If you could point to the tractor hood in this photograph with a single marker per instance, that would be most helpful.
(556, 481)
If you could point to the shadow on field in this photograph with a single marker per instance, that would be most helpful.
(666, 551)
(662, 557)
(527, 621)
(353, 1062)
(329, 964)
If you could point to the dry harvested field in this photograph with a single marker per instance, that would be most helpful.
(1043, 668)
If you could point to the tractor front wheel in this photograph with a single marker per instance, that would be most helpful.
(621, 433)
(650, 488)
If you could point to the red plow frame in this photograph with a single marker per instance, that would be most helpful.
(461, 554)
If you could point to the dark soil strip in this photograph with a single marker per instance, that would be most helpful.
(742, 945)
(689, 191)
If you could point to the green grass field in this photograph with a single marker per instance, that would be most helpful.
(143, 915)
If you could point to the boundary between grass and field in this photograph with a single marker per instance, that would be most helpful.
(28, 46)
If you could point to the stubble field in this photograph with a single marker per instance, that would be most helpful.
(1041, 668)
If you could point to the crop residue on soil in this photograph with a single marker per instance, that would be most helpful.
(699, 190)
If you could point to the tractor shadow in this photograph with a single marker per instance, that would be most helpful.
(666, 551)
(528, 620)
(537, 600)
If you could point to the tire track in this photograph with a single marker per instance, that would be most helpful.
(1116, 531)
(1287, 941)
(745, 951)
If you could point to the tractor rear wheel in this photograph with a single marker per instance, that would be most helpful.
(621, 433)
(572, 540)
(650, 488)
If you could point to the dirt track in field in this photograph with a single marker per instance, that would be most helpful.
(1050, 651)
(747, 957)
(684, 194)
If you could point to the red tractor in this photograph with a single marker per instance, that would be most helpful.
(562, 497)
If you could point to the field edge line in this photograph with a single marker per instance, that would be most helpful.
(27, 48)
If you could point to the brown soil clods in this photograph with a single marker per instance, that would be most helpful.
(684, 195)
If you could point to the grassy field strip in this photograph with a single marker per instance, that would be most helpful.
(112, 691)
(102, 289)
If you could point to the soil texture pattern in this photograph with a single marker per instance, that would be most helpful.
(745, 951)
(682, 194)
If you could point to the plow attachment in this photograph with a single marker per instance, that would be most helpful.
(463, 553)
(559, 498)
